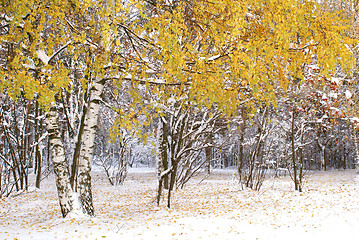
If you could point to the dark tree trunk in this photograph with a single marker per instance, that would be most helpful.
(164, 154)
(294, 163)
(75, 159)
(240, 163)
(38, 162)
(172, 182)
(208, 160)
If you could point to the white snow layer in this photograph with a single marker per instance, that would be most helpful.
(214, 208)
(348, 94)
(42, 55)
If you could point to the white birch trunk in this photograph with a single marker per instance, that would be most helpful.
(87, 146)
(63, 185)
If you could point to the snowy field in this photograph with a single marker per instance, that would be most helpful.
(214, 208)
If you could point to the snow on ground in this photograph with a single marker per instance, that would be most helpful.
(214, 208)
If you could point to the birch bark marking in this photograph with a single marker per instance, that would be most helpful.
(63, 185)
(87, 146)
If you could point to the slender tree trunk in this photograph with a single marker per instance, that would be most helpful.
(74, 166)
(15, 164)
(159, 191)
(300, 178)
(356, 148)
(37, 150)
(172, 183)
(292, 138)
(252, 167)
(25, 144)
(208, 160)
(160, 168)
(324, 159)
(16, 180)
(344, 158)
(63, 185)
(87, 147)
(176, 148)
(240, 163)
(163, 150)
(18, 149)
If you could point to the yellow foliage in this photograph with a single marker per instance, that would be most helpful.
(221, 48)
(39, 34)
(223, 53)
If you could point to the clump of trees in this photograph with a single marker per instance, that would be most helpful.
(260, 85)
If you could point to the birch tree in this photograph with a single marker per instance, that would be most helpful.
(224, 50)
(227, 53)
(47, 42)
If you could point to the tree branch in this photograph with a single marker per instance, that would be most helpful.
(141, 81)
(58, 51)
(127, 30)
(304, 47)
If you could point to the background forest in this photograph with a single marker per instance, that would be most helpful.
(269, 88)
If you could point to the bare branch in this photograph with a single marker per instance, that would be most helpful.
(58, 51)
(127, 30)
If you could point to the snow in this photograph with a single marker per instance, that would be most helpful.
(348, 94)
(354, 119)
(321, 119)
(214, 208)
(335, 80)
(333, 95)
(43, 57)
(324, 97)
(334, 110)
(214, 57)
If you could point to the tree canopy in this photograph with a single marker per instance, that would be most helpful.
(232, 52)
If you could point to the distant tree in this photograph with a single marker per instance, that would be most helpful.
(184, 133)
(235, 54)
(23, 141)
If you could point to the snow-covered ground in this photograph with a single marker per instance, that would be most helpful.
(214, 208)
